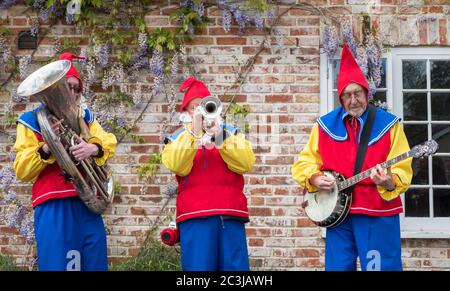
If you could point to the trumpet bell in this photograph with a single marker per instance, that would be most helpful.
(211, 107)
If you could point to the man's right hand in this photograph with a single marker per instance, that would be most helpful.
(57, 130)
(46, 149)
(197, 122)
(322, 182)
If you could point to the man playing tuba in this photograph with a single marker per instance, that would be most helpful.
(69, 236)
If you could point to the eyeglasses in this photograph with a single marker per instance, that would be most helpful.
(347, 96)
(75, 88)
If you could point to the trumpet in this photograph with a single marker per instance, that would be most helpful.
(210, 108)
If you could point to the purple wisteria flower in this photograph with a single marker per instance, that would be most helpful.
(5, 52)
(5, 4)
(330, 41)
(101, 52)
(347, 33)
(34, 29)
(23, 66)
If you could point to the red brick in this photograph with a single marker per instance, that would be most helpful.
(260, 191)
(437, 9)
(304, 31)
(436, 2)
(317, 263)
(19, 22)
(276, 181)
(443, 32)
(255, 242)
(200, 41)
(231, 40)
(147, 190)
(256, 201)
(237, 98)
(423, 34)
(279, 160)
(278, 98)
(219, 31)
(247, 50)
(306, 253)
(138, 211)
(260, 211)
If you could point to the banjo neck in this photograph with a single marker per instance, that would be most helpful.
(363, 175)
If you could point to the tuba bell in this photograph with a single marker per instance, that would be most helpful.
(48, 85)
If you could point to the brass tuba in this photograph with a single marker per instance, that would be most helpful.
(48, 85)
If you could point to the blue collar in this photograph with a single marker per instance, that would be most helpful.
(29, 119)
(333, 124)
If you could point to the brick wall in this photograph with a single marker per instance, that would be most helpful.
(283, 92)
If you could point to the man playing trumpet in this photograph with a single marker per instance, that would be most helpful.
(211, 206)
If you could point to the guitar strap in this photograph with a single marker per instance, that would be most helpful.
(363, 143)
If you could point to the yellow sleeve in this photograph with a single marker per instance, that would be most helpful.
(178, 155)
(106, 140)
(309, 161)
(237, 153)
(28, 163)
(401, 171)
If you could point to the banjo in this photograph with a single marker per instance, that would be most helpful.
(328, 209)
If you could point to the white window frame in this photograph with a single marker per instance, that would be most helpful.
(411, 227)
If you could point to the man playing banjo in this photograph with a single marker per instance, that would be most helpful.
(371, 230)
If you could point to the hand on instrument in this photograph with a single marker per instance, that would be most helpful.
(56, 127)
(322, 182)
(379, 177)
(212, 127)
(197, 122)
(83, 150)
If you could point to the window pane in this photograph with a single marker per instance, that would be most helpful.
(380, 96)
(441, 200)
(414, 106)
(383, 74)
(417, 203)
(335, 99)
(441, 134)
(440, 106)
(440, 74)
(335, 68)
(441, 170)
(416, 133)
(414, 75)
(420, 172)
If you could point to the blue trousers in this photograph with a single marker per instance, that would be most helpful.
(213, 243)
(69, 237)
(375, 240)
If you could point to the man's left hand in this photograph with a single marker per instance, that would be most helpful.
(213, 127)
(380, 178)
(83, 150)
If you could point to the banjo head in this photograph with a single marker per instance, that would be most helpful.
(327, 208)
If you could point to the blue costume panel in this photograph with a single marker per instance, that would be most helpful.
(213, 243)
(375, 240)
(79, 238)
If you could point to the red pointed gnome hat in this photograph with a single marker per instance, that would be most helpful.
(195, 89)
(72, 71)
(349, 72)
